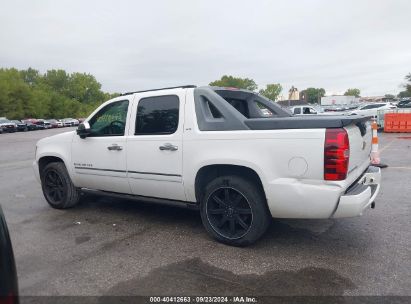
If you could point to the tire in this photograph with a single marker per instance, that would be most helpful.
(57, 187)
(238, 218)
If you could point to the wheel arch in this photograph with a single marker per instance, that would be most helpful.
(45, 160)
(208, 172)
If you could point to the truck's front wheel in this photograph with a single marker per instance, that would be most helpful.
(57, 187)
(234, 210)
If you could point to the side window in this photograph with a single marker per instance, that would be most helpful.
(110, 120)
(373, 106)
(306, 110)
(265, 112)
(157, 115)
(213, 110)
(297, 110)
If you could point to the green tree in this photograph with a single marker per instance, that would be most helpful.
(57, 80)
(30, 76)
(84, 88)
(235, 82)
(353, 92)
(14, 94)
(272, 91)
(404, 94)
(55, 94)
(314, 94)
(407, 86)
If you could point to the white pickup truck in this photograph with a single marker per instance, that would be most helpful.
(303, 110)
(215, 149)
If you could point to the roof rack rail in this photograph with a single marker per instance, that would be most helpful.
(178, 87)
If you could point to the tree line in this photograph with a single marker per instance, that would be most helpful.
(54, 94)
(58, 94)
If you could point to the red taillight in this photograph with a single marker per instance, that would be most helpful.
(336, 154)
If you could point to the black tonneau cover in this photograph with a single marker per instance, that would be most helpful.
(231, 118)
(304, 122)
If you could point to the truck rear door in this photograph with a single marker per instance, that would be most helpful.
(155, 145)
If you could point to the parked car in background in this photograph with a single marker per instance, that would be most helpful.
(53, 123)
(40, 124)
(300, 110)
(7, 125)
(47, 125)
(373, 108)
(74, 122)
(404, 104)
(309, 110)
(21, 126)
(8, 273)
(59, 124)
(67, 122)
(30, 125)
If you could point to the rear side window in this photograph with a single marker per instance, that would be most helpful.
(157, 115)
(264, 111)
(297, 111)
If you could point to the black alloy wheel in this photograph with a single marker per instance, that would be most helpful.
(234, 210)
(54, 188)
(229, 212)
(57, 186)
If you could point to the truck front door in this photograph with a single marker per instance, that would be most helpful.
(99, 160)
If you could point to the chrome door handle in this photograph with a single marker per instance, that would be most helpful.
(115, 147)
(168, 147)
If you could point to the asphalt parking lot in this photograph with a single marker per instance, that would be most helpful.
(117, 247)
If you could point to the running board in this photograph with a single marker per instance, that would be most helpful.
(148, 199)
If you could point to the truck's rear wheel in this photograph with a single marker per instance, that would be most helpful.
(234, 210)
(57, 187)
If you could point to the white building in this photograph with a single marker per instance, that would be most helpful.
(339, 100)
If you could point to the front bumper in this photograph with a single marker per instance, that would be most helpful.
(359, 195)
(9, 129)
(36, 171)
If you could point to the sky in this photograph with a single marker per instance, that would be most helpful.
(133, 45)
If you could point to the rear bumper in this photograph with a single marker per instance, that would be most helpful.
(359, 195)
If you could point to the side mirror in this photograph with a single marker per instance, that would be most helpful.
(83, 130)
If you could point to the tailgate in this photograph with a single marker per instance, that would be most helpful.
(360, 136)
